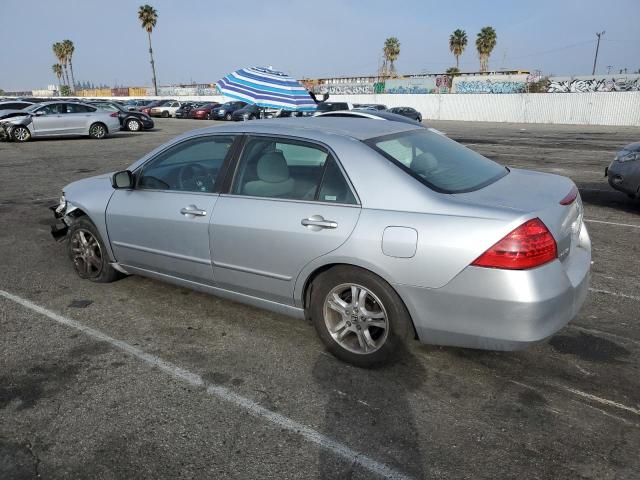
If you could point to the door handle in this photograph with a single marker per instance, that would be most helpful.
(317, 222)
(192, 210)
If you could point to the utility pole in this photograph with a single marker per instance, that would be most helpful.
(595, 60)
(609, 67)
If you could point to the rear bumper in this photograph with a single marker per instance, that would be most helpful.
(494, 309)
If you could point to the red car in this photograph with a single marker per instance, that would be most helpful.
(203, 112)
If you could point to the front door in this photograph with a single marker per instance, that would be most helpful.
(50, 120)
(289, 204)
(162, 225)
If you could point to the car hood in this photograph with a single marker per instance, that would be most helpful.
(632, 147)
(4, 113)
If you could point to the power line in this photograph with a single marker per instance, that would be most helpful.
(559, 49)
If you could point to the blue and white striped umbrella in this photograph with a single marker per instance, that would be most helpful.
(267, 88)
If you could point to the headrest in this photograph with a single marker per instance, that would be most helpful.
(424, 163)
(272, 167)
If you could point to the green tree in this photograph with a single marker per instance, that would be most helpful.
(391, 52)
(485, 43)
(148, 17)
(453, 71)
(68, 48)
(457, 44)
(65, 91)
(57, 69)
(59, 52)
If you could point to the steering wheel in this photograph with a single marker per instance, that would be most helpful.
(189, 173)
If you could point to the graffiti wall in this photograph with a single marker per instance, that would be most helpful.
(346, 88)
(603, 83)
(490, 84)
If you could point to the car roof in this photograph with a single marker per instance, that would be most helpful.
(358, 128)
(374, 114)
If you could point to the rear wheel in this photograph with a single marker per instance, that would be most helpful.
(358, 316)
(88, 254)
(134, 125)
(98, 131)
(21, 133)
(227, 117)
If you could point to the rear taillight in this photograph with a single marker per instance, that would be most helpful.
(114, 114)
(528, 246)
(571, 196)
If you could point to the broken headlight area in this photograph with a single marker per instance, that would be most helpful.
(61, 212)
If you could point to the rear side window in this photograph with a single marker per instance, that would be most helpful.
(438, 162)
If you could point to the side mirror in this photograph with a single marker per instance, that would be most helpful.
(122, 179)
(39, 113)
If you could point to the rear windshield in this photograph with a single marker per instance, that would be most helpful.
(437, 161)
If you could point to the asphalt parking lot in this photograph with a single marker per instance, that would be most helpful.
(140, 379)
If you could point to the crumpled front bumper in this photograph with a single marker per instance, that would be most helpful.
(60, 228)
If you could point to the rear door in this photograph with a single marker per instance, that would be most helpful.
(288, 204)
(78, 118)
(162, 225)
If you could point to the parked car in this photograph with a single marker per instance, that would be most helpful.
(62, 119)
(185, 108)
(156, 103)
(376, 231)
(376, 115)
(369, 106)
(136, 104)
(129, 120)
(225, 111)
(332, 107)
(165, 110)
(248, 112)
(408, 112)
(203, 112)
(624, 172)
(14, 105)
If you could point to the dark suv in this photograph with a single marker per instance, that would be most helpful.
(225, 111)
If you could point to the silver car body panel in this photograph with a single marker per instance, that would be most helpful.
(420, 241)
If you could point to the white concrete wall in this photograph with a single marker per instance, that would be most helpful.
(595, 108)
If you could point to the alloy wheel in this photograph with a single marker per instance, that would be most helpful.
(133, 125)
(21, 134)
(86, 254)
(97, 131)
(356, 318)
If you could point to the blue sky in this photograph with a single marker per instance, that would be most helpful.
(203, 40)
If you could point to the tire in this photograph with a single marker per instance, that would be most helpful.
(165, 114)
(21, 134)
(208, 117)
(89, 256)
(227, 117)
(98, 131)
(374, 344)
(134, 125)
(252, 117)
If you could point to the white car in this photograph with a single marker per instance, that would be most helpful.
(165, 111)
(51, 119)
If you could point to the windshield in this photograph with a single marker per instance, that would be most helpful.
(440, 163)
(32, 108)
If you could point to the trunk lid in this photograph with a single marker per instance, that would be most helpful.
(535, 194)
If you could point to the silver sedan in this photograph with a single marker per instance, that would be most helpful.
(377, 232)
(60, 118)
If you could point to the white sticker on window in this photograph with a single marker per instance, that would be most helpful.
(330, 198)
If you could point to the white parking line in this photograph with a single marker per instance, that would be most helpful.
(612, 223)
(615, 294)
(222, 393)
(603, 401)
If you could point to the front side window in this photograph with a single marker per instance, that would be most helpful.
(191, 166)
(53, 109)
(437, 161)
(290, 169)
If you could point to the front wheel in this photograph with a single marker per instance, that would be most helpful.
(134, 125)
(21, 134)
(358, 316)
(98, 131)
(165, 114)
(88, 254)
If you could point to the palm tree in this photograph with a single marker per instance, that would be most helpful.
(57, 69)
(58, 51)
(457, 44)
(485, 43)
(452, 72)
(69, 48)
(391, 52)
(148, 18)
